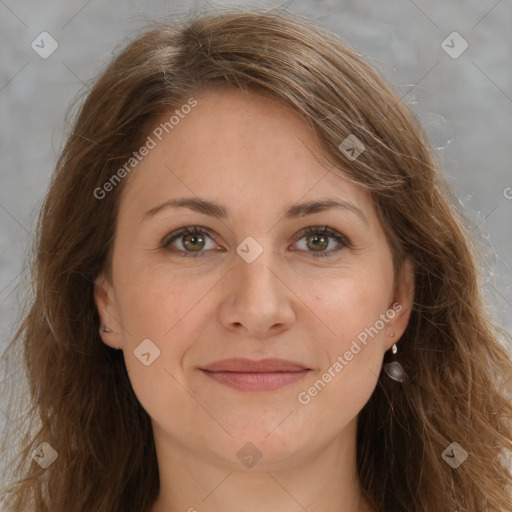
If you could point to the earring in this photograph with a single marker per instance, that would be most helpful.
(104, 328)
(394, 369)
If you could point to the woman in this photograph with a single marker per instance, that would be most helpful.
(244, 226)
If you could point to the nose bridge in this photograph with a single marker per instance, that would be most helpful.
(256, 259)
(256, 294)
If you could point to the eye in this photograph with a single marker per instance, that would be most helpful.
(194, 238)
(192, 243)
(317, 237)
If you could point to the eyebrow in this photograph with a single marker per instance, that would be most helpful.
(217, 211)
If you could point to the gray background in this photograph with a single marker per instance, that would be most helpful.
(465, 104)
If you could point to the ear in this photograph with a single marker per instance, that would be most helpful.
(104, 297)
(401, 304)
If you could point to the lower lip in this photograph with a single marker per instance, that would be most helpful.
(256, 381)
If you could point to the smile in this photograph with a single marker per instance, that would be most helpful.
(256, 381)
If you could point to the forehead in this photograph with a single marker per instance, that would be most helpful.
(239, 148)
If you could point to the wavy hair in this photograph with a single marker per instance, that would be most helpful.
(79, 397)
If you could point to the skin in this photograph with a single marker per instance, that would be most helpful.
(248, 153)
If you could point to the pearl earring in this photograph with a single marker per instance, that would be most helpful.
(394, 369)
(105, 329)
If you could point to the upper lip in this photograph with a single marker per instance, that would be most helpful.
(248, 365)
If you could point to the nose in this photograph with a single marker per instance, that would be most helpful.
(257, 300)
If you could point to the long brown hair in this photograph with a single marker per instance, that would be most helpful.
(80, 400)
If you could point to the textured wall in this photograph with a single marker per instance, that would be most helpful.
(465, 101)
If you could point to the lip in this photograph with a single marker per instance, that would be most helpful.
(249, 375)
(256, 381)
(240, 364)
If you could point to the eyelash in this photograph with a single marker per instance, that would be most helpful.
(312, 230)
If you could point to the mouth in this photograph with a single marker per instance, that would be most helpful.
(250, 375)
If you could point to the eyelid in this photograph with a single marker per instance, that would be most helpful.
(325, 230)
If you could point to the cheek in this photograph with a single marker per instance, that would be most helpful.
(350, 331)
(352, 351)
(172, 316)
(170, 310)
(161, 304)
(347, 306)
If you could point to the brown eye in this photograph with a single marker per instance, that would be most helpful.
(318, 239)
(317, 242)
(193, 241)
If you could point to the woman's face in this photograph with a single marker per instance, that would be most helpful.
(252, 284)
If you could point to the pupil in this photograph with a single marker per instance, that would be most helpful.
(193, 239)
(316, 238)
